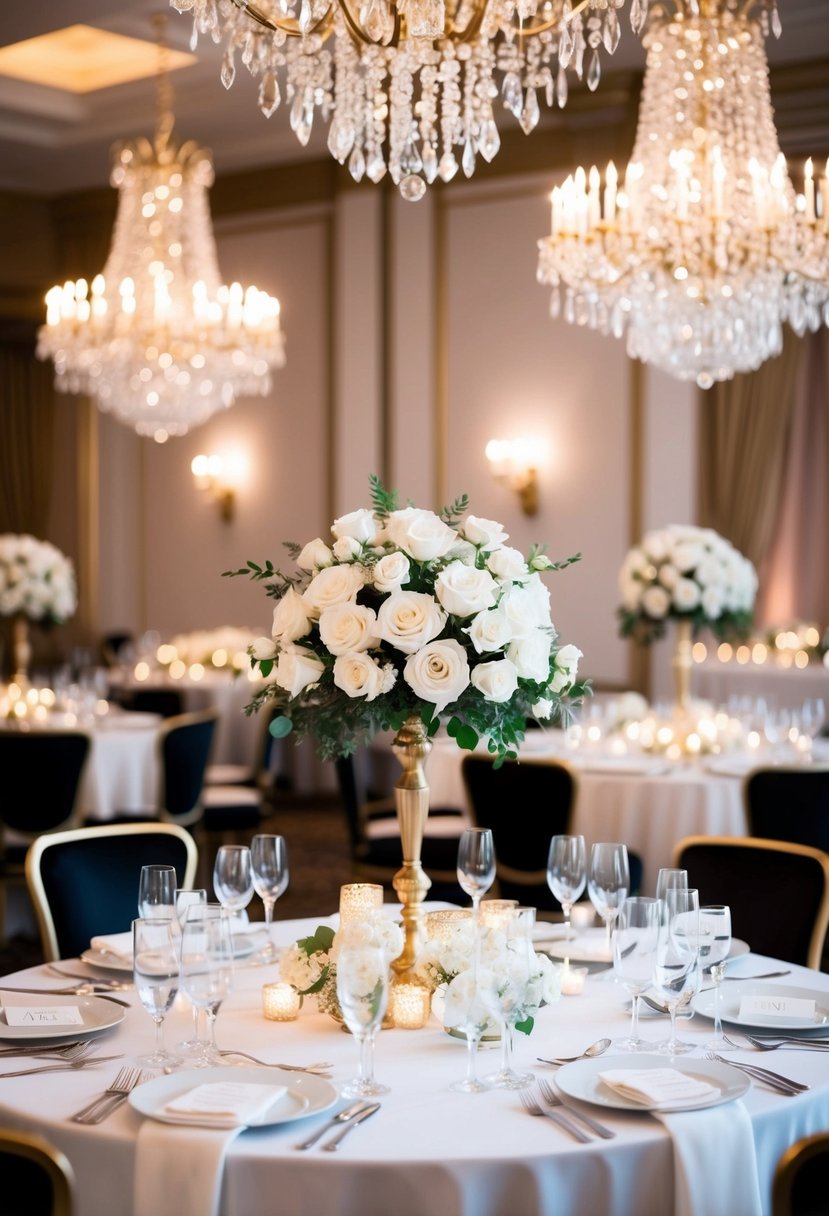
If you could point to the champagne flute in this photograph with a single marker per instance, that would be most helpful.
(207, 968)
(466, 1010)
(157, 892)
(676, 963)
(269, 867)
(363, 993)
(233, 878)
(156, 976)
(667, 879)
(476, 864)
(634, 954)
(567, 873)
(715, 932)
(187, 897)
(508, 995)
(608, 883)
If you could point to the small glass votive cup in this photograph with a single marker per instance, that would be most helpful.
(358, 900)
(494, 912)
(572, 979)
(280, 1002)
(582, 916)
(438, 926)
(409, 1006)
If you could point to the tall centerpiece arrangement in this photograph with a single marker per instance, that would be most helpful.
(408, 620)
(691, 576)
(37, 584)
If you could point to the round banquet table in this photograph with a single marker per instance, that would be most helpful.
(780, 687)
(429, 1150)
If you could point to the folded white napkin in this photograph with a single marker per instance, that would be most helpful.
(116, 945)
(664, 1087)
(179, 1170)
(707, 1143)
(223, 1104)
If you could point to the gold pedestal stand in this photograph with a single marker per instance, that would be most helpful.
(682, 663)
(21, 651)
(411, 745)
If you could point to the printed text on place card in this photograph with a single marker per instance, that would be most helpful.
(43, 1015)
(776, 1007)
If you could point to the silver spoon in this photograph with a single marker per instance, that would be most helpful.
(595, 1049)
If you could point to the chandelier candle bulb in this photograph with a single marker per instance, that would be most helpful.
(409, 1006)
(280, 1002)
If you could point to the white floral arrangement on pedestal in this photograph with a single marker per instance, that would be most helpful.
(37, 581)
(690, 574)
(411, 612)
(310, 965)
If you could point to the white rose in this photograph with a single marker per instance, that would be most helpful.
(334, 585)
(347, 548)
(391, 572)
(484, 533)
(631, 594)
(526, 607)
(542, 708)
(508, 564)
(463, 551)
(263, 648)
(290, 618)
(439, 672)
(357, 525)
(489, 631)
(712, 602)
(710, 572)
(497, 681)
(687, 556)
(655, 546)
(686, 594)
(668, 575)
(421, 534)
(296, 669)
(531, 655)
(347, 627)
(409, 619)
(463, 590)
(315, 555)
(567, 658)
(655, 602)
(359, 675)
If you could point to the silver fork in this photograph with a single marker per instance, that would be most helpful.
(552, 1099)
(784, 1041)
(784, 1084)
(69, 1051)
(112, 1097)
(320, 1068)
(533, 1108)
(64, 1066)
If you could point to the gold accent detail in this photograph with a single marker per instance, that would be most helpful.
(682, 664)
(412, 746)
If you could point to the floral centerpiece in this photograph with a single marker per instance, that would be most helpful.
(310, 965)
(37, 582)
(408, 612)
(688, 574)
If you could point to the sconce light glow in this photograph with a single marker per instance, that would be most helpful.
(516, 463)
(220, 475)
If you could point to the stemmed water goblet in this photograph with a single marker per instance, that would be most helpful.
(476, 865)
(676, 964)
(567, 873)
(507, 994)
(608, 883)
(363, 993)
(156, 976)
(634, 954)
(157, 887)
(269, 868)
(466, 1010)
(207, 968)
(715, 938)
(233, 878)
(187, 897)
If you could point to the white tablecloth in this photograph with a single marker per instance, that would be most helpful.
(781, 687)
(429, 1150)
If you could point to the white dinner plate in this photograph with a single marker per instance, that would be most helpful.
(97, 1014)
(305, 1094)
(244, 944)
(732, 995)
(581, 1080)
(589, 946)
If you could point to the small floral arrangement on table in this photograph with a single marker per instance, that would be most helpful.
(37, 581)
(685, 573)
(412, 612)
(310, 966)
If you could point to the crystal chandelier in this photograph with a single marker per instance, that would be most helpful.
(157, 340)
(702, 249)
(409, 87)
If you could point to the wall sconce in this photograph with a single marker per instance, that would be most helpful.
(220, 476)
(515, 462)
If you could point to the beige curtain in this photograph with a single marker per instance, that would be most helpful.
(27, 411)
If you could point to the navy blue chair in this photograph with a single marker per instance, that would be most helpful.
(789, 803)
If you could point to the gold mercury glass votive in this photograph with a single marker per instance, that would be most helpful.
(438, 926)
(358, 900)
(409, 1006)
(280, 1002)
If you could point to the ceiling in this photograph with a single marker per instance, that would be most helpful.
(54, 141)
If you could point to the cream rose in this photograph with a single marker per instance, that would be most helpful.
(359, 675)
(356, 525)
(485, 533)
(489, 631)
(263, 648)
(315, 555)
(496, 681)
(334, 585)
(438, 672)
(421, 534)
(391, 571)
(526, 606)
(347, 548)
(531, 655)
(656, 601)
(686, 594)
(463, 590)
(290, 618)
(508, 565)
(348, 627)
(409, 619)
(297, 668)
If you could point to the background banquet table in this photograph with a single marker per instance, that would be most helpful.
(781, 687)
(429, 1149)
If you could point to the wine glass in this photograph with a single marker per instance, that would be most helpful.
(608, 882)
(269, 867)
(157, 892)
(233, 878)
(207, 968)
(508, 993)
(676, 963)
(715, 936)
(567, 873)
(634, 954)
(666, 879)
(185, 898)
(363, 993)
(466, 1010)
(476, 864)
(156, 976)
(812, 718)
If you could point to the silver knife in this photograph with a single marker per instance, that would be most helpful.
(342, 1116)
(332, 1145)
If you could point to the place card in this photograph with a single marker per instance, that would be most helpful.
(776, 1007)
(43, 1015)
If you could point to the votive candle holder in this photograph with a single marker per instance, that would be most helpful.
(280, 1002)
(409, 1006)
(358, 901)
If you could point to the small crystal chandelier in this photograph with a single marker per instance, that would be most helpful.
(702, 250)
(408, 86)
(157, 341)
